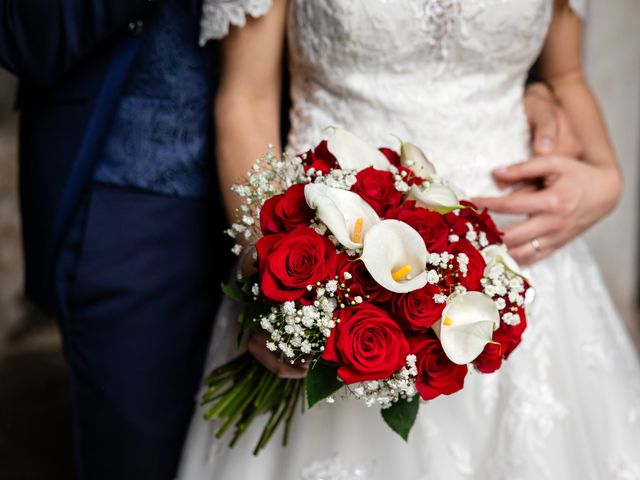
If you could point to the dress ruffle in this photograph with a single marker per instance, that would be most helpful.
(218, 15)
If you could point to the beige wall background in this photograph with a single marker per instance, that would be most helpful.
(612, 61)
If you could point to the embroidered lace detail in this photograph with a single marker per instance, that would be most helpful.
(218, 15)
(623, 468)
(439, 19)
(334, 469)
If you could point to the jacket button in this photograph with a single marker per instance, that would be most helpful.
(136, 28)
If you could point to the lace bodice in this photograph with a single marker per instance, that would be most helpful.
(447, 75)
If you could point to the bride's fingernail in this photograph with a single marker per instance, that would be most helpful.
(501, 169)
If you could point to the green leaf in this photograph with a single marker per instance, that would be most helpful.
(250, 314)
(249, 283)
(402, 415)
(444, 210)
(322, 381)
(235, 291)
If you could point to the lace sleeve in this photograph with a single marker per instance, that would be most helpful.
(580, 7)
(217, 15)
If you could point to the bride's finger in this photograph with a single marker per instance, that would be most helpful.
(519, 203)
(527, 253)
(272, 361)
(533, 168)
(536, 226)
(525, 187)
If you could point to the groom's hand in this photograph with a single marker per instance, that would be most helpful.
(551, 131)
(273, 361)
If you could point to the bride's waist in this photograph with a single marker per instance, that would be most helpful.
(465, 155)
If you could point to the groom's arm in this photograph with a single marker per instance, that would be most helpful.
(551, 130)
(42, 39)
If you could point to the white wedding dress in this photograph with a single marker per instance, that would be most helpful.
(447, 75)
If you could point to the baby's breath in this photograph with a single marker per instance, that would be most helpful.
(504, 287)
(402, 384)
(270, 175)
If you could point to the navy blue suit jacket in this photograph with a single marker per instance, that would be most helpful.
(73, 58)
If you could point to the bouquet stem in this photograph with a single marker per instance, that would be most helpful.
(241, 390)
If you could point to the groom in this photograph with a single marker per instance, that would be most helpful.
(120, 212)
(119, 217)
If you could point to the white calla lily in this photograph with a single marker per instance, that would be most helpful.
(435, 196)
(494, 254)
(467, 325)
(412, 157)
(344, 213)
(353, 153)
(395, 255)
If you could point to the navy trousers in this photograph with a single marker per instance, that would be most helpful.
(141, 288)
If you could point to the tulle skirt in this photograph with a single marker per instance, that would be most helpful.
(566, 405)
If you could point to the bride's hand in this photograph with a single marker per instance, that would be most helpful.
(272, 361)
(571, 196)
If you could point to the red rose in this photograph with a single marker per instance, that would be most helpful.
(367, 344)
(320, 159)
(490, 359)
(416, 310)
(288, 262)
(392, 156)
(510, 336)
(475, 268)
(437, 375)
(285, 212)
(481, 221)
(430, 225)
(377, 188)
(361, 282)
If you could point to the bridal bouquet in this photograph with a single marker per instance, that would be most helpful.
(370, 269)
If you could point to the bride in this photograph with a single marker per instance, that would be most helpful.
(447, 75)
